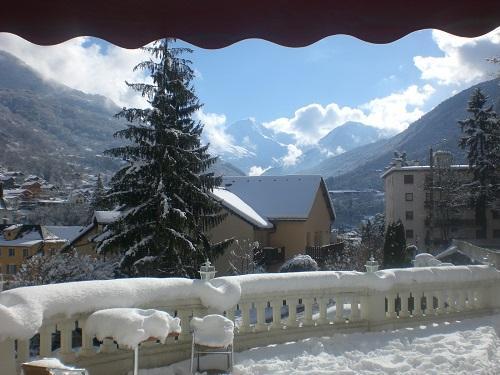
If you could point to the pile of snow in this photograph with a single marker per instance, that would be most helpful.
(129, 327)
(449, 348)
(428, 260)
(49, 363)
(213, 330)
(300, 263)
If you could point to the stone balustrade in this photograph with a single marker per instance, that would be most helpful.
(365, 302)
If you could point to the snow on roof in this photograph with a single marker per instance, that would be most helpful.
(419, 168)
(23, 310)
(30, 236)
(276, 197)
(235, 204)
(106, 217)
(68, 233)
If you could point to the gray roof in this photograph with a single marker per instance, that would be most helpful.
(278, 197)
(67, 233)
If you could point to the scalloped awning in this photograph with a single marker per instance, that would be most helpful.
(218, 23)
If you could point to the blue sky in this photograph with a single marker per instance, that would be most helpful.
(256, 78)
(303, 92)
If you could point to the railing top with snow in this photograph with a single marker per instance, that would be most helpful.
(23, 311)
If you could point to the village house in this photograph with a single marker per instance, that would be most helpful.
(85, 242)
(284, 214)
(408, 198)
(19, 242)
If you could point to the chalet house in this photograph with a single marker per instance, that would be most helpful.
(8, 182)
(286, 214)
(35, 187)
(19, 242)
(85, 241)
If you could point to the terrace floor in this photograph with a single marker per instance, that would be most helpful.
(470, 346)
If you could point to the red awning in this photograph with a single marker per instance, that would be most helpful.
(218, 23)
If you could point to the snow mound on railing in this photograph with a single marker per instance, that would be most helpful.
(23, 310)
(129, 327)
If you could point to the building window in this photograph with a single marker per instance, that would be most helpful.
(495, 214)
(25, 253)
(408, 179)
(409, 233)
(409, 215)
(496, 233)
(12, 252)
(11, 269)
(480, 234)
(409, 197)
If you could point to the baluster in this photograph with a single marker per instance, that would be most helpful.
(323, 303)
(230, 314)
(261, 316)
(23, 351)
(339, 309)
(450, 300)
(46, 340)
(7, 357)
(308, 307)
(461, 302)
(470, 299)
(276, 306)
(292, 312)
(440, 303)
(66, 329)
(404, 311)
(417, 304)
(479, 299)
(108, 346)
(87, 342)
(245, 317)
(391, 306)
(354, 309)
(185, 317)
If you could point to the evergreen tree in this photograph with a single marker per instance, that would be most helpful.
(447, 199)
(98, 201)
(395, 246)
(481, 137)
(165, 190)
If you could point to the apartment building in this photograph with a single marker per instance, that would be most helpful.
(409, 198)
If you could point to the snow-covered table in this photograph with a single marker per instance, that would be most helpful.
(129, 327)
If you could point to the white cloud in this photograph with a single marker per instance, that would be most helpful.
(464, 60)
(81, 64)
(292, 156)
(214, 126)
(393, 113)
(257, 171)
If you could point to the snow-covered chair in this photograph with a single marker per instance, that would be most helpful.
(214, 334)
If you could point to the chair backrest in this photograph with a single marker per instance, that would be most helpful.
(213, 330)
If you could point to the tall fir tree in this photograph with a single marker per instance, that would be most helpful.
(165, 190)
(98, 200)
(481, 137)
(395, 255)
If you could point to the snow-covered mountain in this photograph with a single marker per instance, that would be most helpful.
(261, 148)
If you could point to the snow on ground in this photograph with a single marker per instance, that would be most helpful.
(456, 347)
